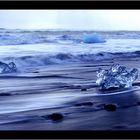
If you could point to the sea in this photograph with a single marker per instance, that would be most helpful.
(47, 47)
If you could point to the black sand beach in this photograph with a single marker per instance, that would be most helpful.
(66, 97)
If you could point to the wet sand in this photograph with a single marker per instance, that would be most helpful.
(66, 98)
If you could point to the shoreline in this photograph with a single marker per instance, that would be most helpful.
(73, 97)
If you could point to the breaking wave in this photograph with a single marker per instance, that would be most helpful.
(66, 58)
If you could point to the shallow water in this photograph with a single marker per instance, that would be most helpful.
(51, 86)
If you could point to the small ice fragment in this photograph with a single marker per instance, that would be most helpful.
(12, 66)
(116, 77)
(64, 37)
(93, 38)
(7, 68)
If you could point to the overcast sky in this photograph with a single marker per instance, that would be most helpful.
(71, 19)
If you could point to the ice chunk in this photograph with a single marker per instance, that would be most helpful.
(116, 77)
(66, 38)
(7, 68)
(93, 38)
(12, 67)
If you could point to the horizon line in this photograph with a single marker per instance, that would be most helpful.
(64, 29)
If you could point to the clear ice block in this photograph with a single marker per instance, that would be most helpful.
(116, 77)
(7, 68)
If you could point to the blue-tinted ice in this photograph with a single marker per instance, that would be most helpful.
(93, 38)
(116, 77)
(7, 68)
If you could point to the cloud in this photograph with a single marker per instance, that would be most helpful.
(71, 19)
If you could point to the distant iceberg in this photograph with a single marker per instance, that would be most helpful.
(93, 38)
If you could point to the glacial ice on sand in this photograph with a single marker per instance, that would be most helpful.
(7, 68)
(116, 77)
(93, 38)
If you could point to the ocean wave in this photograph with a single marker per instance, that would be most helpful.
(18, 37)
(66, 58)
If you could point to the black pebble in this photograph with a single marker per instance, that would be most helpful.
(84, 104)
(56, 116)
(5, 94)
(119, 127)
(83, 89)
(35, 71)
(110, 107)
(138, 103)
(101, 54)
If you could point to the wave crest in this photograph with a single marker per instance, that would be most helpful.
(64, 58)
